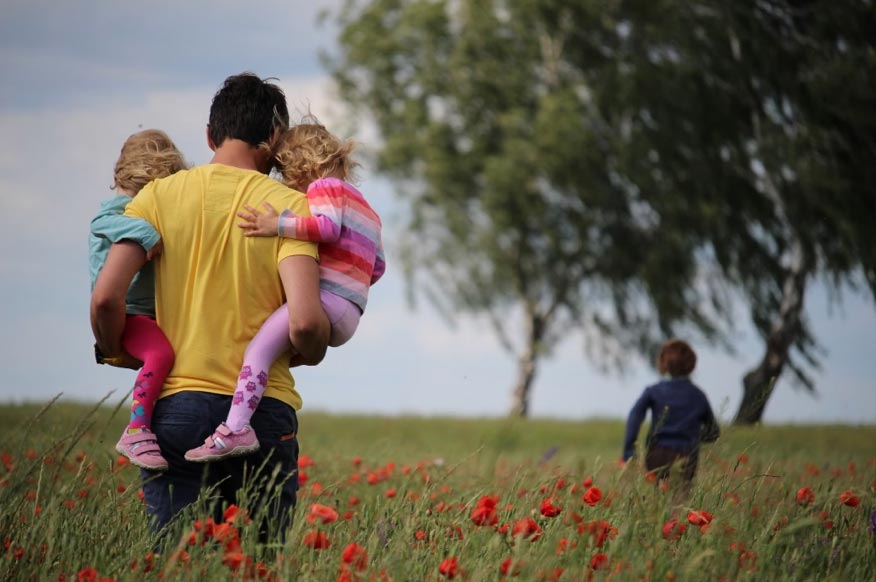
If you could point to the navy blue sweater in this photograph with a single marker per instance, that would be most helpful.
(680, 417)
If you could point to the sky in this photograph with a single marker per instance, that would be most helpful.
(78, 78)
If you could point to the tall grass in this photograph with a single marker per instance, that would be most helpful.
(404, 490)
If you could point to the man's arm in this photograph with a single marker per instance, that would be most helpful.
(309, 327)
(124, 260)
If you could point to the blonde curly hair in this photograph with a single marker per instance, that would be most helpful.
(307, 151)
(146, 155)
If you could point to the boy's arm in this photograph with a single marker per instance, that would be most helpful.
(379, 263)
(710, 431)
(634, 423)
(308, 325)
(118, 227)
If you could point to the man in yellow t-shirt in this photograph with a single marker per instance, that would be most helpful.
(214, 289)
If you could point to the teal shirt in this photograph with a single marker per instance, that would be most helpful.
(111, 226)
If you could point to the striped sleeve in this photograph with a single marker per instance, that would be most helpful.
(327, 205)
(379, 263)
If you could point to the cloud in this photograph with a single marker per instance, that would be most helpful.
(80, 77)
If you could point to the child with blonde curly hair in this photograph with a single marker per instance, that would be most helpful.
(146, 155)
(351, 257)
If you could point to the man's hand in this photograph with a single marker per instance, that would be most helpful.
(257, 224)
(155, 251)
(123, 360)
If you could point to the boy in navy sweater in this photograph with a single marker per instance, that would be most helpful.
(681, 417)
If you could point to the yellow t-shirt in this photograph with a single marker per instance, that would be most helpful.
(214, 287)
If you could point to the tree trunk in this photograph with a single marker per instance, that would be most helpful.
(527, 364)
(526, 368)
(759, 382)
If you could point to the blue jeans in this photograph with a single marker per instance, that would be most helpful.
(182, 421)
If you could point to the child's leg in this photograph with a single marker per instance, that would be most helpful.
(144, 340)
(343, 315)
(270, 341)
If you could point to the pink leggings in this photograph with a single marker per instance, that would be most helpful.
(271, 341)
(144, 340)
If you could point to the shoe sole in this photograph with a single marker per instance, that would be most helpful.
(235, 452)
(141, 464)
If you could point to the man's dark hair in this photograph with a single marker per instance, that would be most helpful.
(247, 108)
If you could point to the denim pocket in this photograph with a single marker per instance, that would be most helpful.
(182, 420)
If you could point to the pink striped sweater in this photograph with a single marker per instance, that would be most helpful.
(347, 229)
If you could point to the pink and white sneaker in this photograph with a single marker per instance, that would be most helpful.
(224, 443)
(142, 450)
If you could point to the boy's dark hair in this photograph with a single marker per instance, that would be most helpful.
(676, 358)
(247, 108)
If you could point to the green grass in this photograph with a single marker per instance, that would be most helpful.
(66, 506)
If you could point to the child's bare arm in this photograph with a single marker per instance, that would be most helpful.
(256, 223)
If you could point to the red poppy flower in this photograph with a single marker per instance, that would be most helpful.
(233, 560)
(510, 567)
(672, 529)
(548, 509)
(748, 560)
(599, 531)
(849, 498)
(527, 528)
(699, 517)
(599, 561)
(588, 482)
(390, 493)
(564, 544)
(592, 496)
(316, 540)
(449, 567)
(321, 513)
(355, 555)
(235, 515)
(805, 496)
(484, 512)
(304, 461)
(87, 575)
(226, 534)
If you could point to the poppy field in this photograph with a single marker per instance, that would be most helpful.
(439, 499)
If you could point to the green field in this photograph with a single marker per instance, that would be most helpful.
(404, 490)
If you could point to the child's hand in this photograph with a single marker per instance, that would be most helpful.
(256, 224)
(155, 251)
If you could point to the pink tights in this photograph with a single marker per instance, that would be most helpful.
(271, 341)
(144, 340)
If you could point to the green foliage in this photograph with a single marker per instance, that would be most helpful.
(68, 508)
(622, 167)
(490, 114)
